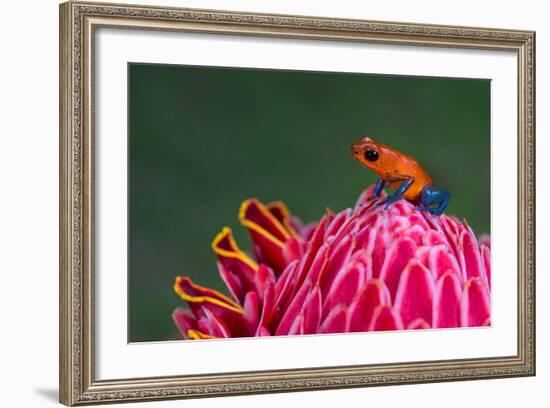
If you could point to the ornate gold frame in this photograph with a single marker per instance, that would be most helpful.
(78, 21)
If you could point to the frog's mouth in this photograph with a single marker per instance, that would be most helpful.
(355, 150)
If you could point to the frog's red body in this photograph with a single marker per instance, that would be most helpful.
(403, 174)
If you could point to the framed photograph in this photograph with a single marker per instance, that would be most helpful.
(256, 203)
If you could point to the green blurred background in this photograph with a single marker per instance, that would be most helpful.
(204, 139)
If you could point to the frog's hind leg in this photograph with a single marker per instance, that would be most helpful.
(433, 197)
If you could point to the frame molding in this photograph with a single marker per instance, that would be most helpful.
(78, 21)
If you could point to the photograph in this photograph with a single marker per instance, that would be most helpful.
(270, 202)
(267, 204)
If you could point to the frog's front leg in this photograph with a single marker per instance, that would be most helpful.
(380, 184)
(432, 196)
(403, 187)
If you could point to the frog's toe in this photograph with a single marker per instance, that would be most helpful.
(380, 203)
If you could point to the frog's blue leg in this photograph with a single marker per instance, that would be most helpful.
(398, 193)
(380, 184)
(431, 196)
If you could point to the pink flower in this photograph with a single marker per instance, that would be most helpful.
(362, 269)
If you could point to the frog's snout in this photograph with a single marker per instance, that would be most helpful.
(356, 150)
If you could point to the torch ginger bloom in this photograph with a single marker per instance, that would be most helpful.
(362, 269)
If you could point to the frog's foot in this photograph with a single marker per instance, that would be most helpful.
(431, 196)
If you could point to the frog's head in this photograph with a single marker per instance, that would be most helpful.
(367, 152)
(376, 156)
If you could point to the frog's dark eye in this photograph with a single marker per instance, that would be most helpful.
(371, 155)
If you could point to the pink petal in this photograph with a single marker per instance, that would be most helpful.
(234, 282)
(418, 219)
(329, 217)
(293, 310)
(367, 209)
(254, 214)
(280, 211)
(398, 225)
(476, 305)
(266, 232)
(312, 249)
(337, 259)
(376, 251)
(267, 306)
(348, 229)
(385, 318)
(307, 231)
(397, 258)
(446, 304)
(184, 321)
(415, 293)
(470, 257)
(345, 287)
(319, 263)
(197, 296)
(292, 249)
(450, 229)
(312, 312)
(440, 261)
(416, 232)
(264, 274)
(296, 325)
(450, 225)
(337, 321)
(340, 219)
(365, 197)
(486, 257)
(433, 238)
(422, 253)
(362, 308)
(263, 332)
(200, 298)
(236, 268)
(363, 236)
(251, 312)
(402, 208)
(369, 220)
(360, 257)
(418, 324)
(484, 239)
(268, 250)
(285, 285)
(214, 326)
(318, 234)
(434, 222)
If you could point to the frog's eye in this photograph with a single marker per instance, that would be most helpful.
(371, 155)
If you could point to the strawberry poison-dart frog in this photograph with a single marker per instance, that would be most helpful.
(403, 174)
